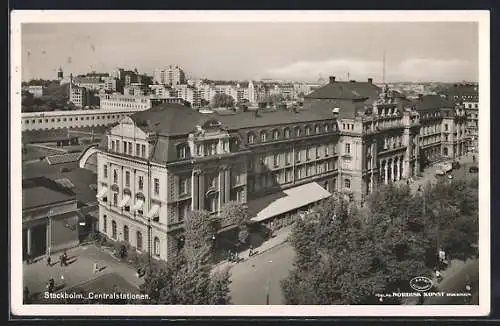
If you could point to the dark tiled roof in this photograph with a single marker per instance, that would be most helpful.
(63, 158)
(348, 109)
(80, 178)
(432, 103)
(173, 122)
(43, 191)
(462, 90)
(175, 119)
(346, 90)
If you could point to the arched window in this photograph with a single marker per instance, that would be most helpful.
(263, 136)
(139, 241)
(275, 134)
(115, 176)
(297, 132)
(104, 224)
(286, 132)
(347, 183)
(327, 128)
(308, 131)
(125, 233)
(317, 129)
(113, 229)
(445, 151)
(157, 247)
(251, 138)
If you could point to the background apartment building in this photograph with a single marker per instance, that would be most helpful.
(171, 75)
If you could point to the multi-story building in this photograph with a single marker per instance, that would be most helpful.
(443, 128)
(36, 90)
(117, 101)
(171, 75)
(159, 164)
(468, 96)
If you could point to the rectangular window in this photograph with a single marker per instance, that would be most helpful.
(105, 171)
(115, 199)
(130, 149)
(117, 145)
(297, 156)
(156, 186)
(276, 160)
(143, 151)
(104, 223)
(348, 148)
(141, 182)
(446, 127)
(124, 147)
(113, 145)
(138, 149)
(182, 186)
(115, 176)
(127, 179)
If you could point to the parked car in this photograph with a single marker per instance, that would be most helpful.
(455, 165)
(474, 169)
(446, 167)
(440, 173)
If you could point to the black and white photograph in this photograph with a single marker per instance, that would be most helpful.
(250, 163)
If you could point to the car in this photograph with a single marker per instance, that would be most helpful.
(440, 173)
(450, 176)
(474, 169)
(455, 165)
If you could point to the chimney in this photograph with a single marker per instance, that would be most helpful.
(370, 80)
(332, 79)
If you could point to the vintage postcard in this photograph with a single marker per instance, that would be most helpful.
(250, 163)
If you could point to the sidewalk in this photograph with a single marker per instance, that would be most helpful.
(280, 237)
(36, 275)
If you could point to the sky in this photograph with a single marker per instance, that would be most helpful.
(300, 51)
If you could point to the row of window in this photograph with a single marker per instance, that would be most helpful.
(287, 132)
(127, 147)
(138, 236)
(307, 154)
(267, 180)
(98, 117)
(140, 180)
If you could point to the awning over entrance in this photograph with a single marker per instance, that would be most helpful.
(285, 201)
(102, 192)
(153, 212)
(124, 201)
(138, 205)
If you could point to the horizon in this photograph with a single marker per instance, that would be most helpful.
(414, 51)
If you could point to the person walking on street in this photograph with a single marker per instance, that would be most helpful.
(49, 261)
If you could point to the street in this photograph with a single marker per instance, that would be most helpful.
(79, 270)
(251, 277)
(455, 283)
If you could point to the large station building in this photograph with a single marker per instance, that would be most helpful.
(347, 137)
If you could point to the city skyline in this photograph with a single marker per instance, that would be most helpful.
(417, 51)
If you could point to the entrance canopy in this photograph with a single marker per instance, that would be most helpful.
(285, 201)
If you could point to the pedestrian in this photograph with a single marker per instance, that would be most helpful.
(49, 261)
(438, 275)
(95, 269)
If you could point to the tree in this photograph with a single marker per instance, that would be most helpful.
(234, 213)
(378, 251)
(243, 235)
(188, 279)
(222, 100)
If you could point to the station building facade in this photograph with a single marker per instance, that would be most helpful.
(157, 165)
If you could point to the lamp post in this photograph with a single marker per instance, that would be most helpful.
(49, 231)
(149, 245)
(268, 285)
